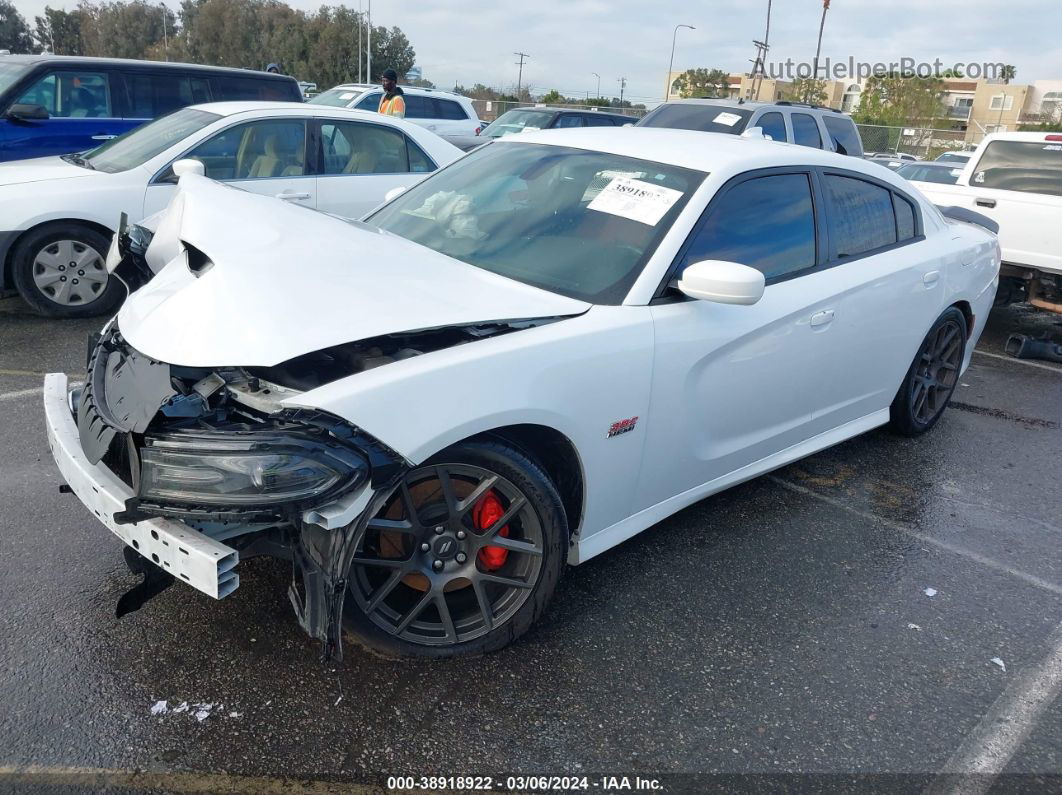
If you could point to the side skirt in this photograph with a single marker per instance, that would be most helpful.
(603, 540)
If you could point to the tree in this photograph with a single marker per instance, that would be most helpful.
(702, 83)
(14, 32)
(1008, 73)
(898, 101)
(391, 50)
(123, 29)
(422, 83)
(59, 31)
(807, 90)
(554, 97)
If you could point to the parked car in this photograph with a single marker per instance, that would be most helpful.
(892, 160)
(59, 212)
(54, 104)
(527, 358)
(934, 172)
(958, 158)
(441, 112)
(545, 118)
(1015, 179)
(807, 125)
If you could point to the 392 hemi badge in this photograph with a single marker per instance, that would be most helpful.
(622, 426)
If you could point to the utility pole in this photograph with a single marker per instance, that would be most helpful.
(165, 34)
(595, 74)
(818, 46)
(623, 85)
(520, 74)
(762, 47)
(361, 24)
(368, 47)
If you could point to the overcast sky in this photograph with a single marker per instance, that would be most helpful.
(471, 41)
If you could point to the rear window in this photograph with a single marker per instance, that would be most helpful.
(948, 175)
(1024, 166)
(448, 109)
(337, 97)
(862, 217)
(844, 135)
(695, 116)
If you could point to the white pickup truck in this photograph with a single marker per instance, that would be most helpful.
(1016, 180)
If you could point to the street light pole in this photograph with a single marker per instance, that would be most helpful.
(165, 34)
(623, 85)
(671, 63)
(595, 74)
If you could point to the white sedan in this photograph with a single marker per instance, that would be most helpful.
(59, 212)
(518, 363)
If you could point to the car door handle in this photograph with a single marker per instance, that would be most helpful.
(290, 196)
(931, 278)
(985, 202)
(103, 137)
(823, 318)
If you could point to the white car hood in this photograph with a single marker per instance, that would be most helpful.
(20, 172)
(286, 281)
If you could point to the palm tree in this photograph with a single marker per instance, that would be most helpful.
(818, 47)
(1008, 73)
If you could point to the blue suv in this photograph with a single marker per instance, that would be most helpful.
(54, 105)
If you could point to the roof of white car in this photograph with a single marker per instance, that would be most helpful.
(702, 151)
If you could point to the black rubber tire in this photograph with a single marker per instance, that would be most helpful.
(902, 419)
(514, 465)
(25, 250)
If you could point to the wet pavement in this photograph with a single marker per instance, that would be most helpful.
(785, 625)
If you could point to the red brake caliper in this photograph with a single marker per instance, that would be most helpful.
(485, 513)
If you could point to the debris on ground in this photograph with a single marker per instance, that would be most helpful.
(159, 708)
(1000, 663)
(930, 592)
(915, 627)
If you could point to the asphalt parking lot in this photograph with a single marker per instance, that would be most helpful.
(836, 618)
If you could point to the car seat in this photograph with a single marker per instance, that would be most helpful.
(270, 162)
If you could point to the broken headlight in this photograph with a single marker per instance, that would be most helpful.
(245, 468)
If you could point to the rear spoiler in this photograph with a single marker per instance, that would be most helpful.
(970, 217)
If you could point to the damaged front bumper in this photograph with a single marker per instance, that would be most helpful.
(194, 558)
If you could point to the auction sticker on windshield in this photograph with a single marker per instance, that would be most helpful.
(639, 201)
(729, 119)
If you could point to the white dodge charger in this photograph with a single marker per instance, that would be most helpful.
(532, 355)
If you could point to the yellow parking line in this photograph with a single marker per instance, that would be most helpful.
(98, 778)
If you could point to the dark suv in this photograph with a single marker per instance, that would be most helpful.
(807, 125)
(54, 105)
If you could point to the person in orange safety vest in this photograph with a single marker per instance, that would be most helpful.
(392, 103)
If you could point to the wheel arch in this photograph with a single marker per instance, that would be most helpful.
(7, 282)
(967, 312)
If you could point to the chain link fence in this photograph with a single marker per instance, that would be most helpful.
(924, 142)
(489, 110)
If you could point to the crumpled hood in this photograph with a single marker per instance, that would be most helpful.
(286, 281)
(20, 172)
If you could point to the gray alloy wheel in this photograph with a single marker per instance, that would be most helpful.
(454, 554)
(70, 272)
(932, 377)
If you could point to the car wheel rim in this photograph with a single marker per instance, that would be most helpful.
(936, 372)
(434, 568)
(69, 272)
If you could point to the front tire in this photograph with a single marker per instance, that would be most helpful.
(462, 558)
(932, 377)
(59, 271)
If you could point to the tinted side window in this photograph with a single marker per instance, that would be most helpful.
(418, 107)
(844, 135)
(71, 95)
(806, 130)
(152, 95)
(448, 109)
(598, 120)
(570, 120)
(861, 215)
(358, 148)
(242, 88)
(1029, 167)
(767, 223)
(905, 220)
(773, 125)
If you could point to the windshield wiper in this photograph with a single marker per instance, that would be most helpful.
(78, 160)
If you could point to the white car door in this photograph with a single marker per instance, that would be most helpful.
(362, 161)
(890, 284)
(735, 384)
(266, 156)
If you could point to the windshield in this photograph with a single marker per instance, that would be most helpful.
(575, 222)
(953, 157)
(695, 116)
(10, 73)
(925, 172)
(515, 121)
(337, 97)
(138, 146)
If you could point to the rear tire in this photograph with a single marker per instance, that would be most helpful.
(932, 376)
(436, 581)
(59, 271)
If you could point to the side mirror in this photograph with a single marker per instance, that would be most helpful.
(189, 166)
(23, 112)
(722, 282)
(394, 193)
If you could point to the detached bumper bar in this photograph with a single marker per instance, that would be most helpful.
(203, 563)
